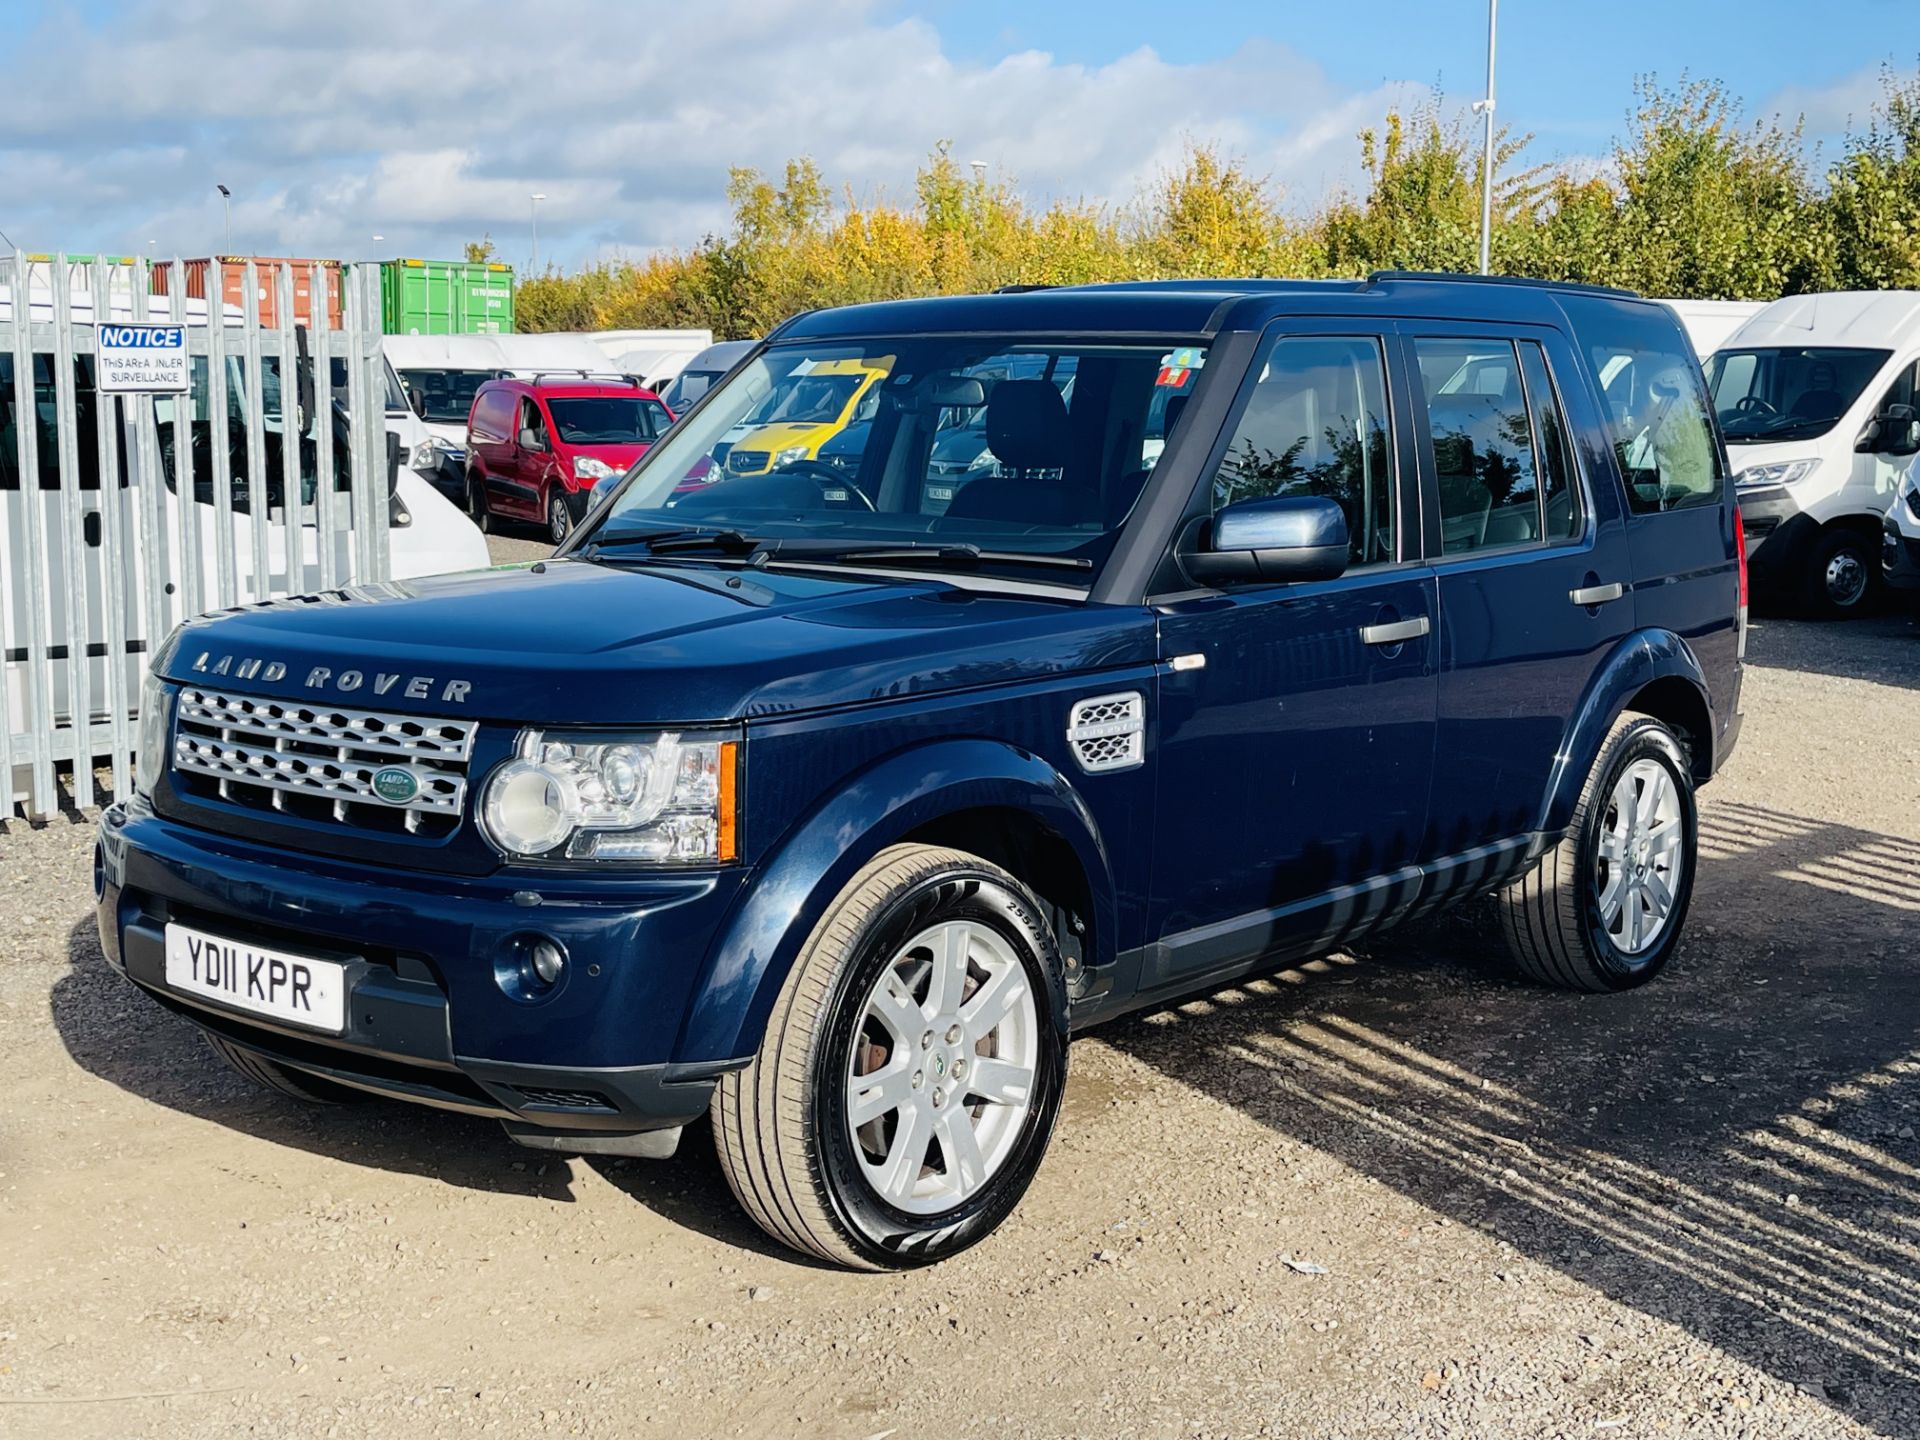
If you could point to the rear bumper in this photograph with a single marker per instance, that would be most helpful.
(429, 1018)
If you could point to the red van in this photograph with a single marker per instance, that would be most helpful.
(536, 447)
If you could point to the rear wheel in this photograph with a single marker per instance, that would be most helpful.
(1603, 909)
(477, 503)
(912, 1068)
(269, 1075)
(1842, 568)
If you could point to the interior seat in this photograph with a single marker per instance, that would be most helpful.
(1027, 433)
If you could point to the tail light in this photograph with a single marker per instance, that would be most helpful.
(1740, 550)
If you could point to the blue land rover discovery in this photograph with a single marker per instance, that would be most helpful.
(830, 810)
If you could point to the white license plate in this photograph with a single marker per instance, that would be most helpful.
(296, 989)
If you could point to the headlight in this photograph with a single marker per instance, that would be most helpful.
(422, 456)
(985, 460)
(150, 758)
(1913, 500)
(1786, 472)
(585, 467)
(789, 455)
(657, 799)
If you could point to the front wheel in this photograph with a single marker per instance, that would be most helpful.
(1602, 910)
(477, 503)
(559, 517)
(1842, 568)
(912, 1068)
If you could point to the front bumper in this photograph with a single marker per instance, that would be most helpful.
(1899, 556)
(430, 1018)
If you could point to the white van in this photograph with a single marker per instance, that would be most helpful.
(1816, 397)
(1710, 323)
(441, 373)
(141, 557)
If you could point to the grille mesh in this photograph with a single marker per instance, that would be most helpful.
(319, 762)
(1108, 732)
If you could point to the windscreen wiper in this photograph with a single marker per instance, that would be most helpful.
(960, 553)
(670, 542)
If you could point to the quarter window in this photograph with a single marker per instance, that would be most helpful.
(1316, 424)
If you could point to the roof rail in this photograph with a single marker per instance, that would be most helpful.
(1026, 289)
(1530, 281)
(574, 377)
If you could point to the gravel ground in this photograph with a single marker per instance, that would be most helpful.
(1392, 1194)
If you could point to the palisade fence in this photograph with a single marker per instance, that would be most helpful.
(122, 515)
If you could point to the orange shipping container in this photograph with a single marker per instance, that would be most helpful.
(233, 284)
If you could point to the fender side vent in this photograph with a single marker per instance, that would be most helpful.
(1108, 732)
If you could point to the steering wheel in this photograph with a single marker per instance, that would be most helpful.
(826, 477)
(1754, 405)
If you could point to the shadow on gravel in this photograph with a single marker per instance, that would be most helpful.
(113, 1030)
(1868, 647)
(1730, 1149)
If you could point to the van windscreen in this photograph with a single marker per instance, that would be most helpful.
(1787, 392)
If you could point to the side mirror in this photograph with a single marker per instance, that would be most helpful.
(417, 401)
(529, 439)
(1291, 538)
(1899, 431)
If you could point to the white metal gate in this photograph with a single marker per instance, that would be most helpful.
(122, 515)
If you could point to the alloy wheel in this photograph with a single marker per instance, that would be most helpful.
(1641, 856)
(941, 1076)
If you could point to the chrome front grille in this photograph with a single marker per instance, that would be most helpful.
(746, 462)
(320, 762)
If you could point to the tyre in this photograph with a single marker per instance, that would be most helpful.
(269, 1075)
(559, 518)
(477, 504)
(912, 1067)
(1603, 909)
(1842, 571)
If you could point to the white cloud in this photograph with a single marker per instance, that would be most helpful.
(431, 122)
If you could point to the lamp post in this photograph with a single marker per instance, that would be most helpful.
(979, 171)
(1484, 108)
(226, 208)
(533, 263)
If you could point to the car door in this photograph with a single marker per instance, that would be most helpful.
(531, 462)
(1296, 721)
(1534, 573)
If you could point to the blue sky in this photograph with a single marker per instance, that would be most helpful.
(1565, 71)
(365, 128)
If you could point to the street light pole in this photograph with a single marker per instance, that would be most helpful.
(1485, 107)
(533, 263)
(226, 208)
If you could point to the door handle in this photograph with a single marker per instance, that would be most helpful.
(1597, 594)
(1395, 631)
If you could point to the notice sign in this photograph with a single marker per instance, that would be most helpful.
(143, 359)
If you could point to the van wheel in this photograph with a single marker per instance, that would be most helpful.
(1603, 909)
(269, 1075)
(912, 1067)
(1841, 570)
(559, 518)
(477, 504)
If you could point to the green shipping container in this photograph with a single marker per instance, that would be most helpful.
(445, 297)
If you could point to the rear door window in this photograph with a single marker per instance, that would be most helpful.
(1482, 444)
(1656, 403)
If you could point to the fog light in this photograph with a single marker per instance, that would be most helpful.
(548, 961)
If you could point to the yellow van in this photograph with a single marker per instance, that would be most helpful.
(815, 404)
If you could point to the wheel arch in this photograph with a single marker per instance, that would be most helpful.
(971, 794)
(1651, 671)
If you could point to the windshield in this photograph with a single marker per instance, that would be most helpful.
(607, 419)
(448, 393)
(1787, 392)
(688, 386)
(1075, 431)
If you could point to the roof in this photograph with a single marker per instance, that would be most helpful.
(1164, 308)
(1870, 319)
(558, 389)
